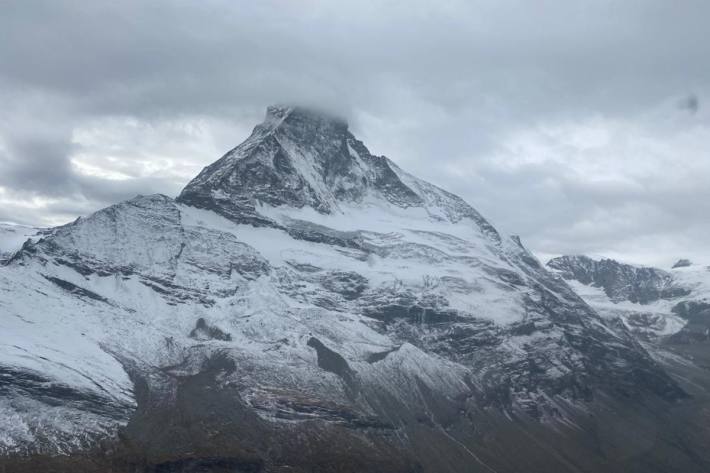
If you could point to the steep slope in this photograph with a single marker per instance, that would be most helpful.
(306, 306)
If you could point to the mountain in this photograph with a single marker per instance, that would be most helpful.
(307, 306)
(653, 303)
(667, 310)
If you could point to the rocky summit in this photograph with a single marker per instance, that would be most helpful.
(307, 306)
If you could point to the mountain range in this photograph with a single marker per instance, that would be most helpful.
(306, 306)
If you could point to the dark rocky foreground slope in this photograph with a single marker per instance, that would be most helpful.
(306, 306)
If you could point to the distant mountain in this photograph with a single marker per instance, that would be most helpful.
(307, 306)
(12, 236)
(651, 302)
(668, 311)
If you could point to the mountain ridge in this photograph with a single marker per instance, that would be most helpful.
(651, 301)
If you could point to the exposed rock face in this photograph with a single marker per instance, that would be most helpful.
(682, 263)
(307, 306)
(204, 331)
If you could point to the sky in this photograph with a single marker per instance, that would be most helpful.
(582, 126)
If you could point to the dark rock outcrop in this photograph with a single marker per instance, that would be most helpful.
(682, 263)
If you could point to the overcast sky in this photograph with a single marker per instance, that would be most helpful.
(581, 126)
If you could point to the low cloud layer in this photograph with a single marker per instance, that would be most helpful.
(580, 127)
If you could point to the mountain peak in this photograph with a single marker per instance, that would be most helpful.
(277, 115)
(303, 157)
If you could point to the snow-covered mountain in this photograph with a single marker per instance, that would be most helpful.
(653, 303)
(304, 305)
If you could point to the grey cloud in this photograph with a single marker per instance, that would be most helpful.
(690, 103)
(508, 57)
(39, 166)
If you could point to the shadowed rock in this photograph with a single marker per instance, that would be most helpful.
(204, 331)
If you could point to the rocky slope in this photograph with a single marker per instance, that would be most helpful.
(304, 305)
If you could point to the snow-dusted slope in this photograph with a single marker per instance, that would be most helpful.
(303, 303)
